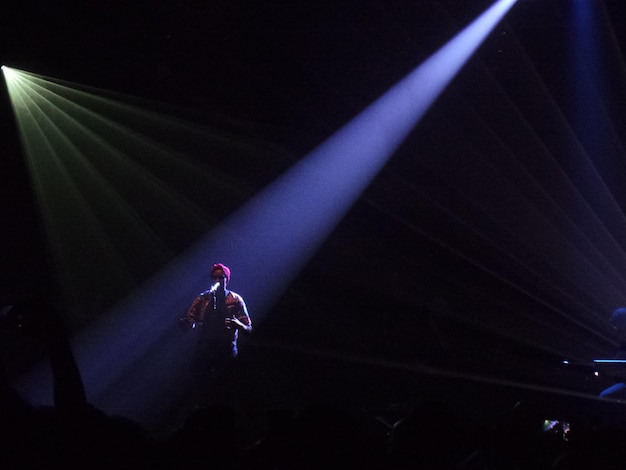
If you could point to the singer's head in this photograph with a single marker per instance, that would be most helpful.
(220, 273)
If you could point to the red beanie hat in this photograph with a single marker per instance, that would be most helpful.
(224, 268)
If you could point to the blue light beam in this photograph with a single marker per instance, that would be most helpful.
(285, 224)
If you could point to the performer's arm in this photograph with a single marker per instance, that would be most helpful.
(193, 315)
(241, 320)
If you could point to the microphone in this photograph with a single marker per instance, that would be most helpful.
(212, 290)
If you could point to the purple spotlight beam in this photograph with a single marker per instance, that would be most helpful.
(288, 221)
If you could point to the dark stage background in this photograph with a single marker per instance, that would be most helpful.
(489, 249)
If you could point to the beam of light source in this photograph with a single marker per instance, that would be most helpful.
(586, 77)
(108, 188)
(591, 85)
(269, 240)
(586, 32)
(285, 224)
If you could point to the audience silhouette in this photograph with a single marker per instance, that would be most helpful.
(430, 435)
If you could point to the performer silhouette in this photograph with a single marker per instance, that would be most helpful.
(219, 314)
